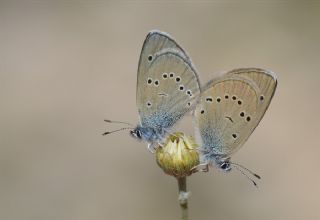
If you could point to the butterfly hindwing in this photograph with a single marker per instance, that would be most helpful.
(230, 108)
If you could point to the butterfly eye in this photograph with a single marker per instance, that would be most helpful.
(239, 102)
(181, 87)
(149, 81)
(242, 114)
(226, 96)
(248, 118)
(156, 82)
(234, 136)
(261, 98)
(225, 166)
(218, 99)
(234, 97)
(139, 134)
(136, 133)
(150, 58)
(171, 75)
(178, 79)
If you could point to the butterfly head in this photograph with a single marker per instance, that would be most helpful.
(136, 133)
(144, 133)
(224, 165)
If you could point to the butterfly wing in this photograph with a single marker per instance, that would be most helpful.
(169, 89)
(230, 108)
(155, 43)
(264, 79)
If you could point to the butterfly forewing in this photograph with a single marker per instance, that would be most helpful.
(155, 42)
(170, 89)
(230, 108)
(264, 79)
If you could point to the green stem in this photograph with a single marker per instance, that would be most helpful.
(183, 197)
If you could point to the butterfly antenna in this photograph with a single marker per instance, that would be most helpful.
(241, 171)
(121, 129)
(243, 167)
(117, 122)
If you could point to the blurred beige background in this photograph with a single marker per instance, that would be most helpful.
(64, 67)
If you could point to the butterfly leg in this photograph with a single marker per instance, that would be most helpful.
(203, 167)
(152, 147)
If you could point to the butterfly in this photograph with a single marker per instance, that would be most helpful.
(167, 88)
(230, 108)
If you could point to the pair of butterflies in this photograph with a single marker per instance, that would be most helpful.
(226, 110)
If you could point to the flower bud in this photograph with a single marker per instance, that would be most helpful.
(178, 155)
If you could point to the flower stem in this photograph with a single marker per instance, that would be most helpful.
(183, 197)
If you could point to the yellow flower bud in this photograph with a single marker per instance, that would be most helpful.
(178, 155)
